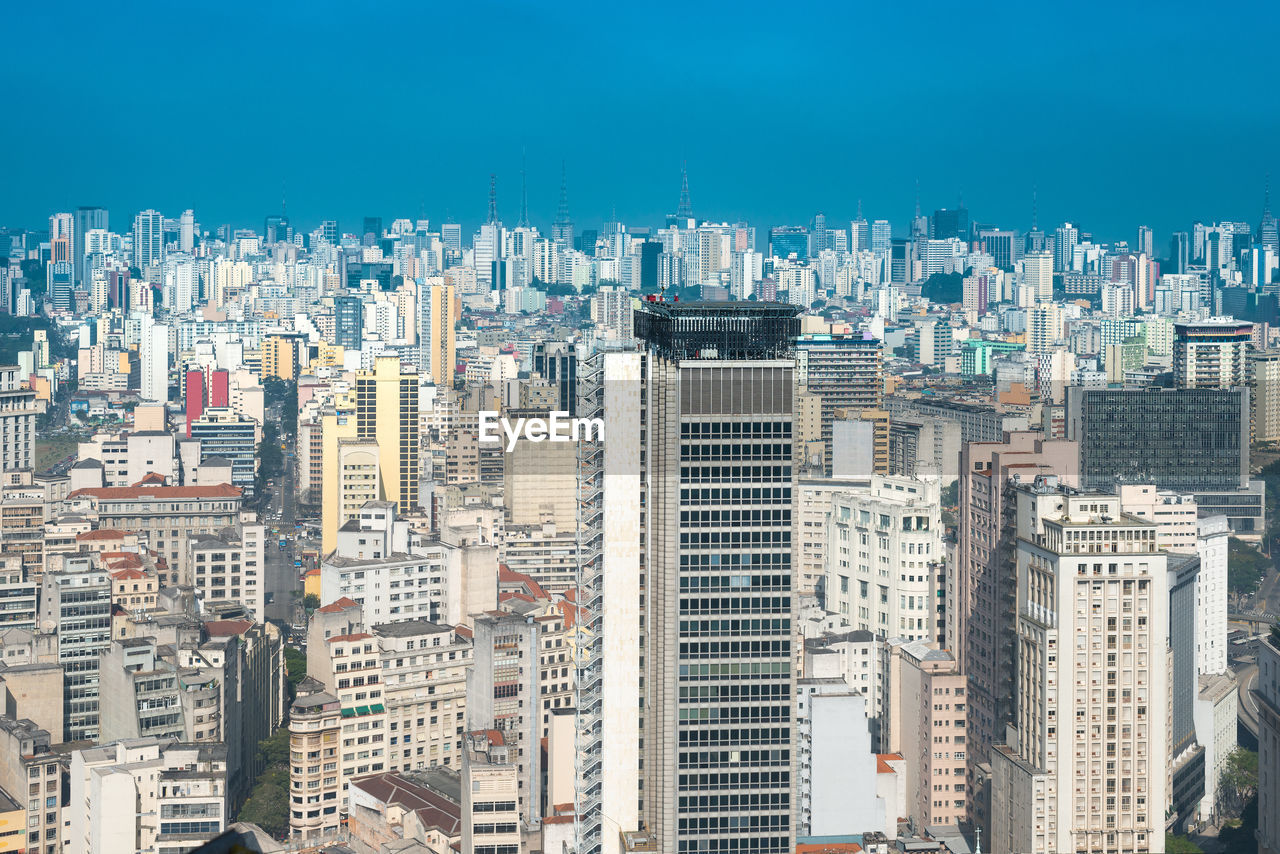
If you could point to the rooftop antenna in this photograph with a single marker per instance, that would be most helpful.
(1035, 212)
(685, 211)
(524, 195)
(1266, 199)
(493, 199)
(284, 209)
(562, 212)
(859, 210)
(917, 198)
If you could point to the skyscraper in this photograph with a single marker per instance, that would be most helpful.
(148, 238)
(348, 321)
(87, 219)
(1146, 241)
(437, 303)
(1065, 238)
(154, 355)
(1037, 274)
(387, 412)
(1086, 767)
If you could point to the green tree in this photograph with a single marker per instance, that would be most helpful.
(311, 601)
(1246, 566)
(268, 803)
(1174, 844)
(1239, 781)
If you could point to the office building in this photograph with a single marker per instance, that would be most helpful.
(348, 321)
(980, 595)
(76, 601)
(1037, 275)
(1267, 696)
(225, 435)
(846, 372)
(154, 355)
(490, 794)
(1264, 395)
(1086, 764)
(87, 219)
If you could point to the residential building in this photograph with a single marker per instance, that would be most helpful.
(1211, 354)
(76, 602)
(18, 411)
(490, 793)
(1266, 694)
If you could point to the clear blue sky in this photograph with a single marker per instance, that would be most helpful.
(1121, 114)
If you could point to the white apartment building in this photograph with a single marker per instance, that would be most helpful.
(1086, 766)
(884, 564)
(146, 796)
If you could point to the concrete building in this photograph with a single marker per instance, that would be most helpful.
(30, 768)
(1264, 394)
(1086, 766)
(315, 730)
(837, 790)
(981, 618)
(18, 411)
(229, 566)
(490, 793)
(75, 602)
(1211, 353)
(885, 559)
(414, 806)
(927, 725)
(146, 796)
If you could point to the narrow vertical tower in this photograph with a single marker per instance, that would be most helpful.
(562, 228)
(493, 199)
(685, 211)
(523, 222)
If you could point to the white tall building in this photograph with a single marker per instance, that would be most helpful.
(148, 238)
(154, 357)
(1211, 596)
(1086, 766)
(885, 558)
(1037, 275)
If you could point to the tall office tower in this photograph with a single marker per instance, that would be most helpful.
(18, 412)
(87, 219)
(719, 387)
(1004, 247)
(562, 228)
(557, 363)
(820, 236)
(1037, 275)
(1146, 241)
(348, 321)
(946, 223)
(1086, 768)
(187, 231)
(371, 230)
(980, 617)
(148, 239)
(881, 241)
(437, 304)
(846, 372)
(1211, 353)
(329, 231)
(76, 602)
(387, 412)
(503, 695)
(490, 788)
(1065, 238)
(154, 357)
(885, 559)
(59, 285)
(1179, 252)
(275, 229)
(1268, 229)
(1267, 695)
(859, 232)
(788, 240)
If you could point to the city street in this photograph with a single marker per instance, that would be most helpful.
(283, 586)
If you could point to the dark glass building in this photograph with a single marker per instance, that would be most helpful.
(1186, 440)
(348, 321)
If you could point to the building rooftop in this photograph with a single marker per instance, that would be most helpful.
(410, 628)
(161, 493)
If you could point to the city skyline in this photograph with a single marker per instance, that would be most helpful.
(770, 119)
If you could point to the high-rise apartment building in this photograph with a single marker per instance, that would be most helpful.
(437, 305)
(1211, 353)
(87, 218)
(846, 372)
(1267, 696)
(348, 321)
(154, 357)
(76, 601)
(1037, 275)
(148, 239)
(1086, 767)
(18, 411)
(885, 559)
(1264, 395)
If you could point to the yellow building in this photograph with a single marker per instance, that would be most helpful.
(329, 355)
(386, 419)
(13, 824)
(437, 337)
(280, 357)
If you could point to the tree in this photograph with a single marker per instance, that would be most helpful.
(268, 804)
(1174, 844)
(1245, 567)
(1239, 781)
(311, 601)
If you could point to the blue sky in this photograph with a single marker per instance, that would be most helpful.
(1119, 116)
